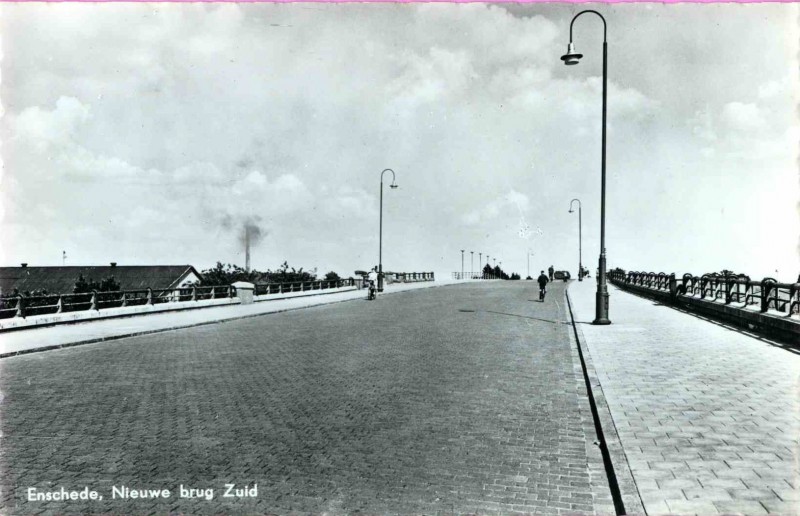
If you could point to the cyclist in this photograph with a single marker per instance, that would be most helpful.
(542, 279)
(371, 293)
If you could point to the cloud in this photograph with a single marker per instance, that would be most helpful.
(512, 204)
(743, 117)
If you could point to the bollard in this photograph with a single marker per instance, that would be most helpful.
(244, 291)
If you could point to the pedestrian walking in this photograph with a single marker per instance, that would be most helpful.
(550, 271)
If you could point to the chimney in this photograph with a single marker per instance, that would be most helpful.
(113, 264)
(24, 265)
(247, 247)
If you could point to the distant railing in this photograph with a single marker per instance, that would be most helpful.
(408, 277)
(727, 288)
(473, 275)
(24, 306)
(264, 289)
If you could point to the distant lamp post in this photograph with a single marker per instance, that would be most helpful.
(580, 238)
(572, 58)
(380, 230)
(528, 256)
(462, 264)
(471, 268)
(480, 263)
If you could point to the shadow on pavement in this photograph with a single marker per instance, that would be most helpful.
(527, 317)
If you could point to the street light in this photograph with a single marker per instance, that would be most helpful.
(471, 256)
(529, 254)
(380, 231)
(462, 264)
(480, 263)
(572, 58)
(580, 262)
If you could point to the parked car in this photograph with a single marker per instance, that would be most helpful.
(562, 275)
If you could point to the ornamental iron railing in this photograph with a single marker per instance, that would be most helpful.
(727, 287)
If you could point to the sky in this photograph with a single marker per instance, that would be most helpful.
(154, 133)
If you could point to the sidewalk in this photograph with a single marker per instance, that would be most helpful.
(95, 331)
(708, 417)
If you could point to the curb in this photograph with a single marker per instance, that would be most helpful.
(624, 490)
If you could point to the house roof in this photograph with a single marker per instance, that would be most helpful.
(61, 280)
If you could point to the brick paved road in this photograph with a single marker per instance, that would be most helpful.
(403, 405)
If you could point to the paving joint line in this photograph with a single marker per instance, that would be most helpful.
(624, 490)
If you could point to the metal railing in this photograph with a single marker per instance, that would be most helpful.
(23, 306)
(264, 289)
(408, 277)
(728, 288)
(474, 275)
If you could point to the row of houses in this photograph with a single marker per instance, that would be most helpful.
(61, 279)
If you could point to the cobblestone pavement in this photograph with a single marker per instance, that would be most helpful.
(457, 399)
(708, 417)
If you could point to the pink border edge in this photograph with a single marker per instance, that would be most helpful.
(419, 1)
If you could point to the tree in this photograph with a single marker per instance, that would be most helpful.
(332, 276)
(226, 274)
(83, 285)
(515, 276)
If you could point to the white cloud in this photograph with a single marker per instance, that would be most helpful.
(743, 117)
(512, 204)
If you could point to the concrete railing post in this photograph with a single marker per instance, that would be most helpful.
(673, 288)
(194, 293)
(149, 296)
(59, 305)
(728, 289)
(93, 306)
(124, 299)
(766, 290)
(20, 307)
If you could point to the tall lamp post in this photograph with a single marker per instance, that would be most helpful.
(462, 264)
(471, 256)
(580, 238)
(380, 230)
(528, 256)
(572, 58)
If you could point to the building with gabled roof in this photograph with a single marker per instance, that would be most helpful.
(61, 279)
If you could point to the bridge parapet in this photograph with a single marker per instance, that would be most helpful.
(17, 312)
(767, 306)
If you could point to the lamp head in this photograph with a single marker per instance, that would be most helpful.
(570, 210)
(392, 185)
(571, 57)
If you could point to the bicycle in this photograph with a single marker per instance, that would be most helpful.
(542, 292)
